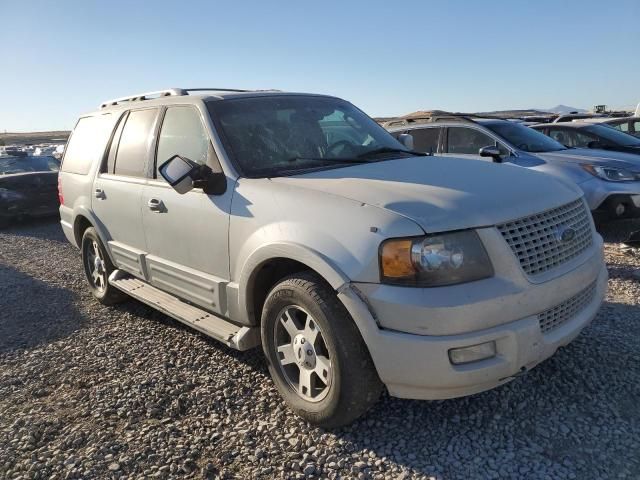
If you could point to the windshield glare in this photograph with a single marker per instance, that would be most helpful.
(525, 138)
(11, 165)
(614, 135)
(268, 135)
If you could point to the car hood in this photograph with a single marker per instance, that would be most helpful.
(593, 156)
(442, 194)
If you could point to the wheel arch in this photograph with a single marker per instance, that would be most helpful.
(84, 219)
(269, 264)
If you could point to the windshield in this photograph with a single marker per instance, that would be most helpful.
(283, 135)
(10, 165)
(525, 138)
(613, 135)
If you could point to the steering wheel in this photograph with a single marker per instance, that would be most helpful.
(344, 143)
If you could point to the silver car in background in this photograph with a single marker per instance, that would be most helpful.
(610, 180)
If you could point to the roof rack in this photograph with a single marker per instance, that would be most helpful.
(170, 92)
(443, 117)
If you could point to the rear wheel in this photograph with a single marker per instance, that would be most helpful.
(317, 357)
(97, 268)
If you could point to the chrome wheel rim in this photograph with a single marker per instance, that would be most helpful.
(302, 354)
(95, 265)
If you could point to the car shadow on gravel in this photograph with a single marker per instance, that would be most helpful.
(555, 413)
(33, 312)
(253, 358)
(616, 231)
(43, 228)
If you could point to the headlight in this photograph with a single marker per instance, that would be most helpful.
(435, 260)
(609, 173)
(6, 194)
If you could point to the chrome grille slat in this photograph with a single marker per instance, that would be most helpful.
(556, 316)
(533, 239)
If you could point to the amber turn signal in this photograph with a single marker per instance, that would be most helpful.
(396, 259)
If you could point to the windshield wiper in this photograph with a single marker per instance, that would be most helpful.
(333, 160)
(377, 151)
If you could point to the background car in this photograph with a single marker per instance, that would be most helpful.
(630, 125)
(610, 180)
(590, 135)
(28, 187)
(570, 117)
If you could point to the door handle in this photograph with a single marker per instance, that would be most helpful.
(155, 205)
(99, 193)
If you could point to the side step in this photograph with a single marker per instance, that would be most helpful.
(234, 336)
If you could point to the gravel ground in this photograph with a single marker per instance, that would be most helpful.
(88, 391)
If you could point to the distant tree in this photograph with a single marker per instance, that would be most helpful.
(1, 142)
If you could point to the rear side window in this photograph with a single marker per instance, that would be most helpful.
(87, 143)
(467, 140)
(182, 134)
(133, 148)
(426, 139)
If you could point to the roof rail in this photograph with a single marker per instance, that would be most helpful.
(144, 96)
(169, 92)
(429, 119)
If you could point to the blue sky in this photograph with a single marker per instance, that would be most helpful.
(62, 58)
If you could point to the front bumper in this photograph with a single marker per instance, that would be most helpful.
(599, 194)
(619, 205)
(418, 366)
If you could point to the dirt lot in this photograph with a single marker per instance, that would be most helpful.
(88, 391)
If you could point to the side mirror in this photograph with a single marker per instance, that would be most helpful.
(184, 175)
(406, 139)
(491, 151)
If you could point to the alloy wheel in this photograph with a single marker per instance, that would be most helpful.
(302, 353)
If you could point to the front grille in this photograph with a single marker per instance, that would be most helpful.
(556, 316)
(535, 240)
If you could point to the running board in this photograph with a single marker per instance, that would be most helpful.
(234, 336)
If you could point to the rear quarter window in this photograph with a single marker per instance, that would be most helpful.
(87, 143)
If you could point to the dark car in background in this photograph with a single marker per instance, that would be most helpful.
(28, 187)
(590, 135)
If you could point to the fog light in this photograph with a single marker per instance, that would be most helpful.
(474, 353)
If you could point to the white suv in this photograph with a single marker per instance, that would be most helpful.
(296, 222)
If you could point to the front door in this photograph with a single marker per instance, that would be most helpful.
(187, 235)
(465, 142)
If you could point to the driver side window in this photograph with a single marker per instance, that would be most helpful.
(467, 141)
(182, 134)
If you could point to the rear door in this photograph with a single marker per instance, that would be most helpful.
(187, 235)
(118, 188)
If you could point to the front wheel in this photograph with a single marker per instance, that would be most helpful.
(97, 268)
(317, 357)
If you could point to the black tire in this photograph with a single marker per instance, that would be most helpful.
(103, 292)
(354, 383)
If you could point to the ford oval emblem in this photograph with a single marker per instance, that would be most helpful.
(565, 234)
